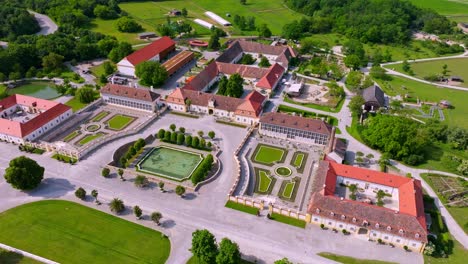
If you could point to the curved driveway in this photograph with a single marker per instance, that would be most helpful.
(47, 25)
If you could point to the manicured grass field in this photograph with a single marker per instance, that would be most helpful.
(455, 67)
(265, 182)
(266, 154)
(67, 232)
(76, 105)
(427, 92)
(71, 136)
(100, 116)
(335, 109)
(108, 27)
(241, 207)
(288, 189)
(85, 140)
(445, 7)
(298, 159)
(351, 260)
(7, 257)
(288, 220)
(119, 122)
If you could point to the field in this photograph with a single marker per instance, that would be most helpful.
(288, 220)
(288, 189)
(242, 208)
(119, 122)
(71, 136)
(445, 7)
(85, 140)
(431, 93)
(283, 171)
(268, 155)
(76, 105)
(350, 260)
(334, 109)
(71, 233)
(456, 67)
(150, 14)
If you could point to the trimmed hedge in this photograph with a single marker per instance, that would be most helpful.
(131, 152)
(202, 170)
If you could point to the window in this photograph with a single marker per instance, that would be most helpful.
(354, 220)
(341, 226)
(329, 223)
(332, 213)
(414, 244)
(315, 219)
(386, 237)
(343, 217)
(398, 240)
(375, 234)
(377, 225)
(317, 210)
(389, 228)
(401, 231)
(417, 235)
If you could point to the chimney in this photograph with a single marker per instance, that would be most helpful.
(136, 84)
(129, 84)
(151, 88)
(112, 79)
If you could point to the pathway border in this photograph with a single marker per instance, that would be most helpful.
(27, 254)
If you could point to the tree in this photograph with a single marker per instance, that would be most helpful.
(222, 86)
(195, 142)
(406, 66)
(104, 12)
(444, 69)
(141, 181)
(94, 194)
(264, 62)
(120, 172)
(161, 185)
(384, 161)
(105, 172)
(80, 193)
(85, 94)
(103, 79)
(52, 62)
(173, 127)
(120, 51)
(174, 137)
(356, 103)
(151, 73)
(247, 59)
(264, 31)
(211, 134)
(380, 194)
(188, 140)
(182, 130)
(352, 61)
(213, 43)
(117, 206)
(156, 217)
(204, 246)
(458, 138)
(283, 261)
(463, 168)
(228, 252)
(235, 86)
(161, 133)
(200, 133)
(429, 249)
(180, 139)
(353, 80)
(126, 24)
(137, 211)
(108, 68)
(180, 190)
(24, 173)
(243, 2)
(184, 12)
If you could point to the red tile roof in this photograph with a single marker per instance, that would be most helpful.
(268, 81)
(297, 122)
(245, 71)
(409, 218)
(130, 92)
(201, 80)
(50, 110)
(151, 50)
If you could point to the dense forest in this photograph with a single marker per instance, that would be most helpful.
(370, 21)
(15, 22)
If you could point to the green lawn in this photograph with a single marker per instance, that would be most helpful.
(76, 105)
(445, 7)
(266, 154)
(7, 257)
(265, 182)
(457, 67)
(67, 232)
(98, 71)
(288, 189)
(298, 160)
(351, 260)
(242, 208)
(335, 109)
(329, 119)
(283, 171)
(119, 122)
(100, 116)
(431, 93)
(288, 220)
(71, 136)
(85, 140)
(108, 27)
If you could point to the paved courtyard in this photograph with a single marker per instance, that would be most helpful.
(258, 237)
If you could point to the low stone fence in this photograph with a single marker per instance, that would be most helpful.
(236, 159)
(247, 201)
(289, 213)
(27, 254)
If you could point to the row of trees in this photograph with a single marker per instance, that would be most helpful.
(370, 21)
(132, 151)
(181, 139)
(233, 87)
(245, 23)
(201, 172)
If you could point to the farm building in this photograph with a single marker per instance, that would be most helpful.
(146, 35)
(203, 23)
(158, 50)
(173, 64)
(25, 118)
(218, 19)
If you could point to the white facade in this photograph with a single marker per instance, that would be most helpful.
(218, 19)
(131, 103)
(303, 136)
(126, 68)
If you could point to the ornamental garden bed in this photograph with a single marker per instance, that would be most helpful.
(288, 189)
(268, 155)
(264, 183)
(299, 160)
(119, 122)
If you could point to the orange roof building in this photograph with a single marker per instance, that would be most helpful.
(158, 50)
(397, 218)
(25, 118)
(246, 110)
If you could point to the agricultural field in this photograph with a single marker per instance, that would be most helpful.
(67, 232)
(150, 14)
(431, 93)
(455, 67)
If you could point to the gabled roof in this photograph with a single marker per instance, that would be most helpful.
(50, 109)
(245, 71)
(374, 94)
(129, 92)
(151, 50)
(201, 80)
(409, 218)
(268, 81)
(297, 122)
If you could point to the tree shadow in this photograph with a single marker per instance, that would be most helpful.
(168, 223)
(189, 196)
(52, 188)
(8, 257)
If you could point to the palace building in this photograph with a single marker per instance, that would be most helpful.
(25, 118)
(126, 96)
(397, 217)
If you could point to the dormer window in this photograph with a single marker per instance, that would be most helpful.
(401, 231)
(389, 228)
(332, 214)
(377, 225)
(354, 219)
(317, 211)
(417, 235)
(365, 223)
(343, 217)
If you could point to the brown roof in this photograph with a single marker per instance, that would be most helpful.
(410, 218)
(249, 106)
(130, 92)
(153, 49)
(179, 60)
(231, 53)
(255, 47)
(244, 70)
(297, 122)
(201, 80)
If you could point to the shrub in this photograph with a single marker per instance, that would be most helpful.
(180, 139)
(322, 226)
(137, 211)
(405, 248)
(80, 193)
(156, 217)
(141, 181)
(172, 127)
(180, 190)
(202, 170)
(174, 137)
(117, 206)
(161, 133)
